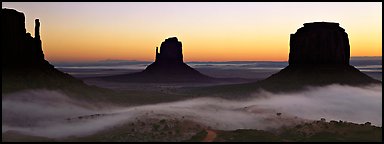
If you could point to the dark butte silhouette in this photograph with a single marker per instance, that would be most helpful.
(23, 63)
(168, 67)
(18, 47)
(319, 43)
(171, 52)
(319, 55)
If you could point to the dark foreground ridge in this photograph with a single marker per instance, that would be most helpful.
(178, 130)
(168, 67)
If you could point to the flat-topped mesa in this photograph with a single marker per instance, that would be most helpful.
(170, 51)
(319, 43)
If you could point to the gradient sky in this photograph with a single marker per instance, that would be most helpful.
(213, 31)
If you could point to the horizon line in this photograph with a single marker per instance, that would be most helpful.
(128, 60)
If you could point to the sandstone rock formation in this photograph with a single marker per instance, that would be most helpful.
(319, 55)
(170, 60)
(170, 51)
(23, 63)
(168, 67)
(19, 47)
(319, 43)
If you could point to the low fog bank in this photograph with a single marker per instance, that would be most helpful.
(333, 102)
(46, 113)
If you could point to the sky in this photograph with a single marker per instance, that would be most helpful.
(209, 31)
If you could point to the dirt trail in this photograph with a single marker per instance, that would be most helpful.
(210, 136)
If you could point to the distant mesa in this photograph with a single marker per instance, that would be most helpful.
(168, 67)
(23, 63)
(319, 55)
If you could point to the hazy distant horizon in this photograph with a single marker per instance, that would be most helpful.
(244, 69)
(133, 60)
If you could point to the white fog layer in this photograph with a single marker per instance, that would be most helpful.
(46, 113)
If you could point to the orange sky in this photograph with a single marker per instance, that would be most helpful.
(208, 31)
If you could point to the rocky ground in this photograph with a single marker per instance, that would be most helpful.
(180, 129)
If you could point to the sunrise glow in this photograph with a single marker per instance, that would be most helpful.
(209, 31)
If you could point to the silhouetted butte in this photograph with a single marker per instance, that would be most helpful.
(168, 67)
(319, 55)
(23, 63)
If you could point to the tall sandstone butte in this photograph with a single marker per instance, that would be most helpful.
(23, 63)
(170, 51)
(319, 43)
(168, 67)
(170, 60)
(319, 55)
(18, 47)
